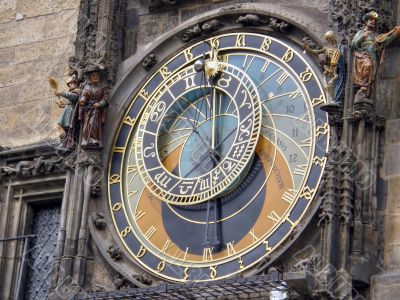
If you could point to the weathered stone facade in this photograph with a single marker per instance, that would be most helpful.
(36, 39)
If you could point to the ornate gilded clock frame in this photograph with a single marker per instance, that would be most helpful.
(122, 96)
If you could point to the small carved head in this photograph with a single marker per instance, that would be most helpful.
(114, 252)
(94, 77)
(331, 37)
(370, 19)
(72, 83)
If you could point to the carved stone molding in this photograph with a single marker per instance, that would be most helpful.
(99, 38)
(157, 4)
(36, 167)
(363, 108)
(252, 20)
(98, 220)
(143, 278)
(204, 28)
(335, 114)
(114, 252)
(149, 61)
(346, 15)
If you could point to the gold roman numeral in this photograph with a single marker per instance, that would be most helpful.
(186, 273)
(300, 170)
(265, 66)
(289, 195)
(167, 246)
(150, 232)
(305, 143)
(282, 78)
(132, 168)
(295, 94)
(231, 248)
(144, 94)
(207, 254)
(139, 214)
(274, 217)
(253, 235)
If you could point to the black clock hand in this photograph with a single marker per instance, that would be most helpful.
(206, 155)
(216, 241)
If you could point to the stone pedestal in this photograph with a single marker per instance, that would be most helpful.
(387, 284)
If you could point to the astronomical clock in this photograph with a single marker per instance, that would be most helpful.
(217, 157)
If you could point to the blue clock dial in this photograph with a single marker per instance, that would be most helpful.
(212, 170)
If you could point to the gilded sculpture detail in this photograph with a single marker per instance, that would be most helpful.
(368, 47)
(84, 108)
(334, 68)
(71, 97)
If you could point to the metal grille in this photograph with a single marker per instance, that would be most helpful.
(41, 252)
(256, 287)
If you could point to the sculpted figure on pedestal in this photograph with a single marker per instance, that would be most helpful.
(93, 101)
(65, 123)
(334, 68)
(368, 47)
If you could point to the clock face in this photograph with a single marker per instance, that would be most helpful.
(210, 174)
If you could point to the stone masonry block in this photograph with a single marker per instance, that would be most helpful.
(6, 56)
(57, 47)
(7, 10)
(16, 33)
(392, 131)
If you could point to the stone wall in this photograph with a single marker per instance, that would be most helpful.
(144, 26)
(36, 39)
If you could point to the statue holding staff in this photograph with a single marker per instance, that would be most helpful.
(368, 47)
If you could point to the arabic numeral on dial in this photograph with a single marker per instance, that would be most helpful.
(293, 158)
(125, 232)
(161, 266)
(295, 132)
(290, 109)
(213, 273)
